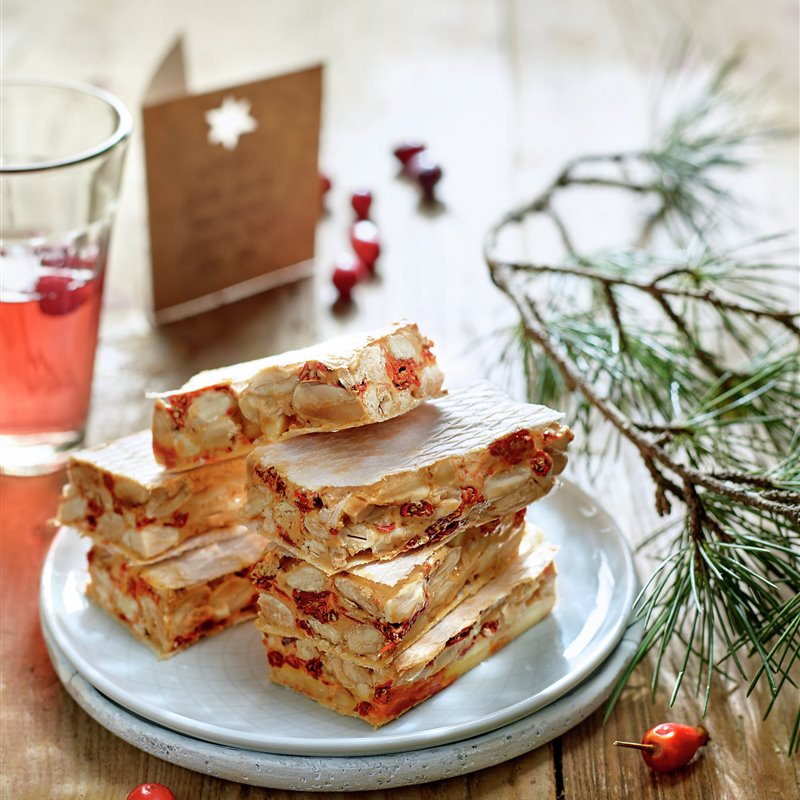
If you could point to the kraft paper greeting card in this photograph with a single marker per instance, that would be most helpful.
(233, 186)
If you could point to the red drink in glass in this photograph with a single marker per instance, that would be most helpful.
(49, 313)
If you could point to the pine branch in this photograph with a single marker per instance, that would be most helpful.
(721, 442)
(536, 329)
(654, 289)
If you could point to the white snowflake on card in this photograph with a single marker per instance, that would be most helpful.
(230, 121)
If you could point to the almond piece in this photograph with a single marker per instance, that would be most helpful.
(355, 594)
(208, 407)
(403, 605)
(321, 401)
(275, 612)
(327, 632)
(502, 484)
(364, 640)
(219, 433)
(306, 578)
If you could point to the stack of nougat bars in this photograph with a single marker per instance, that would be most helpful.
(373, 524)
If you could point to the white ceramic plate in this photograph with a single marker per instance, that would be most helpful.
(351, 773)
(218, 691)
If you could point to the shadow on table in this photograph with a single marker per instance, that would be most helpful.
(270, 322)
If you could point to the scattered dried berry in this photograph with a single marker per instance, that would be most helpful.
(669, 745)
(150, 791)
(348, 271)
(427, 173)
(366, 242)
(361, 202)
(407, 150)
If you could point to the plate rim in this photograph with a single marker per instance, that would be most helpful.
(360, 744)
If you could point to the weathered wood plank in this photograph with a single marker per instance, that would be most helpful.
(503, 92)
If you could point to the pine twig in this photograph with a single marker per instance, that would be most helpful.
(655, 290)
(723, 443)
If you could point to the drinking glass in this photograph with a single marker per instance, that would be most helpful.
(62, 147)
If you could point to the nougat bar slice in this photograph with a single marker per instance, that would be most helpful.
(119, 496)
(371, 493)
(172, 603)
(500, 611)
(376, 610)
(345, 382)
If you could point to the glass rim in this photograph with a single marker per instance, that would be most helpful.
(122, 130)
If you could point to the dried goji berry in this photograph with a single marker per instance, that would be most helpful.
(269, 476)
(514, 447)
(421, 509)
(314, 667)
(469, 496)
(307, 502)
(402, 372)
(313, 371)
(314, 604)
(386, 528)
(541, 463)
(382, 692)
(460, 636)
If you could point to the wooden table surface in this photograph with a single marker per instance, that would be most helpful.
(503, 92)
